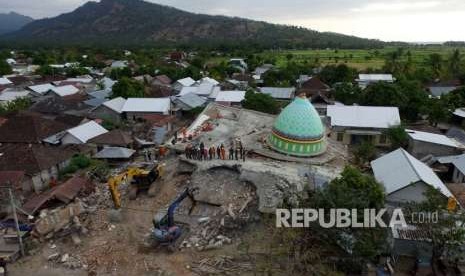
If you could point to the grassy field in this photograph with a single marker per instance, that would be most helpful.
(360, 59)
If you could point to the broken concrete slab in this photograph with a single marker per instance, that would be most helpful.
(273, 184)
(57, 219)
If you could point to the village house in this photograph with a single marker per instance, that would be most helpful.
(230, 98)
(63, 91)
(136, 108)
(366, 79)
(205, 89)
(189, 101)
(441, 88)
(456, 165)
(180, 84)
(238, 63)
(9, 95)
(118, 64)
(356, 124)
(29, 128)
(279, 93)
(52, 106)
(423, 143)
(115, 154)
(405, 178)
(5, 82)
(38, 162)
(260, 71)
(40, 89)
(113, 138)
(317, 92)
(111, 110)
(161, 80)
(82, 133)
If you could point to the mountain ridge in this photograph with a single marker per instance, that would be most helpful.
(136, 22)
(12, 21)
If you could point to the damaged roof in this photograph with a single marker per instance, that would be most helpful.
(65, 193)
(115, 137)
(29, 129)
(33, 158)
(115, 153)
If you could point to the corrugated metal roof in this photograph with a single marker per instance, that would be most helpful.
(115, 104)
(41, 88)
(87, 131)
(431, 138)
(65, 90)
(186, 81)
(363, 116)
(192, 100)
(4, 81)
(375, 77)
(460, 112)
(438, 91)
(398, 169)
(115, 153)
(230, 96)
(13, 95)
(459, 163)
(279, 92)
(100, 94)
(94, 102)
(159, 105)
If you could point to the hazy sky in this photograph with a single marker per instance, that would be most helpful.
(411, 20)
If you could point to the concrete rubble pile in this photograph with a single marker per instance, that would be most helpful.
(220, 230)
(221, 265)
(66, 260)
(61, 222)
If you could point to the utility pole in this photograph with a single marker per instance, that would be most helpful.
(13, 206)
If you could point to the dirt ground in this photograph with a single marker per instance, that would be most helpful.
(118, 248)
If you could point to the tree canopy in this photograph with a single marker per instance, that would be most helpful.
(260, 102)
(128, 88)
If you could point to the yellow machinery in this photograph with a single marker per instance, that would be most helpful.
(139, 179)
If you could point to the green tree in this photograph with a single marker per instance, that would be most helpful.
(435, 62)
(260, 102)
(15, 105)
(364, 153)
(352, 190)
(437, 111)
(347, 93)
(383, 94)
(119, 73)
(5, 68)
(397, 136)
(332, 74)
(455, 63)
(128, 88)
(75, 71)
(447, 234)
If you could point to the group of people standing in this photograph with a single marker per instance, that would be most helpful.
(200, 152)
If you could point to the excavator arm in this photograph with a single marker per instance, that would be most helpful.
(115, 181)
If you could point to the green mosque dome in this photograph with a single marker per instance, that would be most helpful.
(298, 130)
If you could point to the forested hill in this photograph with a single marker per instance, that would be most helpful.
(12, 21)
(135, 22)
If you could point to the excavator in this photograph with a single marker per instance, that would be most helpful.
(165, 232)
(140, 179)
